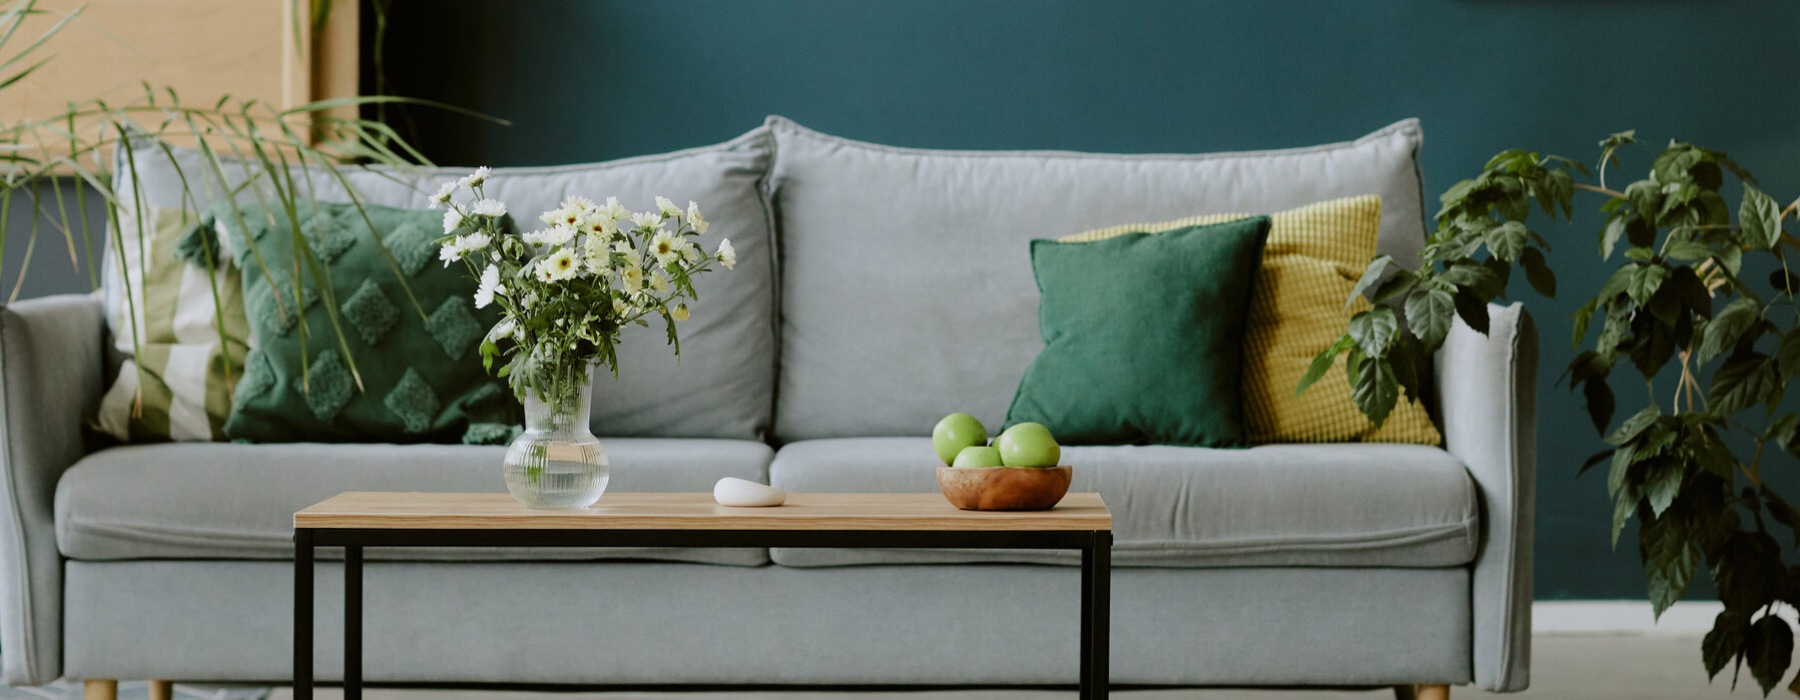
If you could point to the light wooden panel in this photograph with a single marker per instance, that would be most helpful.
(203, 49)
(694, 511)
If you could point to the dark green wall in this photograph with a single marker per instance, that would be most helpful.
(585, 80)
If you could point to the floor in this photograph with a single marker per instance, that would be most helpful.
(1569, 667)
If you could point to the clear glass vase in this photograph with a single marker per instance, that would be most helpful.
(557, 462)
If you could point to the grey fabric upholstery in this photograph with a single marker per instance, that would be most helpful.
(1488, 388)
(1274, 505)
(51, 374)
(721, 387)
(226, 501)
(906, 278)
(684, 623)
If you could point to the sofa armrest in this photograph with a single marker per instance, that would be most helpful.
(52, 368)
(1488, 390)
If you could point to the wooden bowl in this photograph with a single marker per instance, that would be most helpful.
(1004, 488)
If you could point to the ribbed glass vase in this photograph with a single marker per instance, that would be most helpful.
(557, 462)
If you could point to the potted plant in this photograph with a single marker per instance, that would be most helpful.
(1702, 297)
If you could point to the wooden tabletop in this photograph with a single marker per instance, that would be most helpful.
(693, 511)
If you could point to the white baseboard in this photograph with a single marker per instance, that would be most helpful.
(1626, 617)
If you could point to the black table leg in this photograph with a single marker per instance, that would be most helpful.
(1097, 585)
(303, 614)
(1087, 621)
(353, 633)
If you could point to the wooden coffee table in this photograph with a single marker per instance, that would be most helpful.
(894, 520)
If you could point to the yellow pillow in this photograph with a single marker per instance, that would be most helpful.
(1312, 261)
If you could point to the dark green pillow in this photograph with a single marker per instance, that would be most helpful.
(422, 379)
(1143, 336)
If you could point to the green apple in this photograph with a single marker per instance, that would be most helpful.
(1028, 445)
(954, 432)
(976, 456)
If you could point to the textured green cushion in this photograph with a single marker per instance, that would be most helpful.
(1143, 336)
(421, 377)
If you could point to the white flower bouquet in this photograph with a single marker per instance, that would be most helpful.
(567, 290)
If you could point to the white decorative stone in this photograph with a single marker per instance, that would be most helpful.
(732, 491)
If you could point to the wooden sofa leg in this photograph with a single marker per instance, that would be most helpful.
(162, 690)
(100, 690)
(1422, 692)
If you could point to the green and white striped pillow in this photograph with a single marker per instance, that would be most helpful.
(183, 330)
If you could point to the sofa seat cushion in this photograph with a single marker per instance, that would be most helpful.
(1272, 505)
(232, 501)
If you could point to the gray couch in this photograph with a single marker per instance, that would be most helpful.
(881, 288)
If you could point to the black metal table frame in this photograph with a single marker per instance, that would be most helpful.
(1095, 547)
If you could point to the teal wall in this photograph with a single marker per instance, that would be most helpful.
(585, 80)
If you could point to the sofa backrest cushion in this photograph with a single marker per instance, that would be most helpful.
(723, 383)
(906, 287)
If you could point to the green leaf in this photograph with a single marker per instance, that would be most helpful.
(1580, 320)
(1760, 218)
(1609, 236)
(1472, 309)
(1725, 643)
(1618, 282)
(1687, 250)
(1322, 364)
(1374, 330)
(1599, 402)
(1670, 559)
(1473, 277)
(1594, 460)
(1376, 390)
(1788, 354)
(1769, 648)
(1395, 286)
(1662, 483)
(1726, 328)
(1429, 313)
(1538, 272)
(1644, 282)
(1743, 381)
(1507, 240)
(1785, 281)
(1634, 426)
(1371, 274)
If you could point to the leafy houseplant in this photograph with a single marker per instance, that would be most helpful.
(1707, 305)
(53, 165)
(565, 293)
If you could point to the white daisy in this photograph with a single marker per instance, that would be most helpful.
(727, 254)
(598, 255)
(558, 235)
(561, 264)
(580, 204)
(699, 222)
(631, 280)
(541, 274)
(595, 223)
(679, 313)
(450, 253)
(689, 251)
(659, 282)
(473, 242)
(613, 210)
(490, 285)
(666, 248)
(479, 177)
(647, 220)
(632, 258)
(443, 194)
(619, 307)
(667, 208)
(488, 207)
(453, 220)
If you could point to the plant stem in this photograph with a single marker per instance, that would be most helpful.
(1601, 190)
